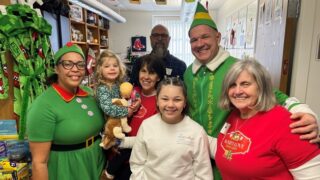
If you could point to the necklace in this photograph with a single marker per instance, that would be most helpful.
(237, 126)
(150, 94)
(244, 120)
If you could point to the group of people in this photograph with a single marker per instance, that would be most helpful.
(218, 107)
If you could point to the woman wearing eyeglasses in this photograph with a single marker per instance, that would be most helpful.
(63, 124)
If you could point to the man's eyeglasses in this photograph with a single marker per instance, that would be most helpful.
(157, 35)
(67, 64)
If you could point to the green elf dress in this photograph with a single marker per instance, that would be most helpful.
(204, 83)
(65, 119)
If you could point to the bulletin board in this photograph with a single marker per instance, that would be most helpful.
(240, 28)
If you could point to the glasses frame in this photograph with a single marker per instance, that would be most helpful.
(157, 35)
(73, 64)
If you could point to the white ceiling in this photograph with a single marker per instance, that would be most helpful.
(150, 5)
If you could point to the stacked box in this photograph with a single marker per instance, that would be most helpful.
(13, 171)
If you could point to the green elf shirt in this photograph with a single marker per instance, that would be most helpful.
(64, 118)
(204, 83)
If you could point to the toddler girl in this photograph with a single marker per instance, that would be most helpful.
(110, 73)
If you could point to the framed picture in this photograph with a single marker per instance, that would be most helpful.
(261, 14)
(318, 49)
(268, 15)
(277, 9)
(251, 24)
(76, 13)
(241, 28)
(139, 44)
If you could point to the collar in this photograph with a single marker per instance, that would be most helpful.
(214, 63)
(165, 57)
(67, 96)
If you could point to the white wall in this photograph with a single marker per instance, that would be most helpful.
(138, 23)
(305, 83)
(227, 9)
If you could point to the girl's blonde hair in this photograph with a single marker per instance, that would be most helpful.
(105, 56)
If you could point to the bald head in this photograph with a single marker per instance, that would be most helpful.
(160, 40)
(161, 28)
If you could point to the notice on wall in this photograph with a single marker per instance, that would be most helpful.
(318, 48)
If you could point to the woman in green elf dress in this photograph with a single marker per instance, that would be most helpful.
(64, 122)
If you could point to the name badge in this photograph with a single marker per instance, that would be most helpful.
(184, 139)
(225, 128)
(168, 71)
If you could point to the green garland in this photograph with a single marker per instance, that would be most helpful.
(27, 39)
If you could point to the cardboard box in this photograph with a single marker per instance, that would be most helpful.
(13, 171)
(8, 130)
(8, 127)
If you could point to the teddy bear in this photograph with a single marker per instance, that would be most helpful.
(113, 129)
(116, 127)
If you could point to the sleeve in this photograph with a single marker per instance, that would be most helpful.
(293, 105)
(183, 69)
(138, 156)
(134, 77)
(291, 149)
(280, 97)
(309, 170)
(127, 142)
(105, 103)
(305, 109)
(202, 166)
(41, 122)
(212, 146)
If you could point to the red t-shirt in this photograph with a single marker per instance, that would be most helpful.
(147, 109)
(261, 147)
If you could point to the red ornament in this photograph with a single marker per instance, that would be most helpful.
(16, 82)
(25, 53)
(40, 53)
(1, 86)
(69, 44)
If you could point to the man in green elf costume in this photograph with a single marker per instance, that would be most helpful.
(204, 78)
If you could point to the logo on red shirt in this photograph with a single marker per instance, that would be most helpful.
(235, 143)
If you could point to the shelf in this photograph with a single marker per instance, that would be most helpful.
(102, 29)
(93, 44)
(89, 31)
(78, 42)
(73, 21)
(92, 26)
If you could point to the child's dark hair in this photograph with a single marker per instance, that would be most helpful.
(174, 81)
(153, 65)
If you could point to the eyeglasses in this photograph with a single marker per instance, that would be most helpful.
(67, 64)
(157, 35)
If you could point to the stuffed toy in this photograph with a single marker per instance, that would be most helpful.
(127, 92)
(113, 129)
(116, 127)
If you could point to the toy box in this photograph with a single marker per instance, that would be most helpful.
(13, 171)
(8, 130)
